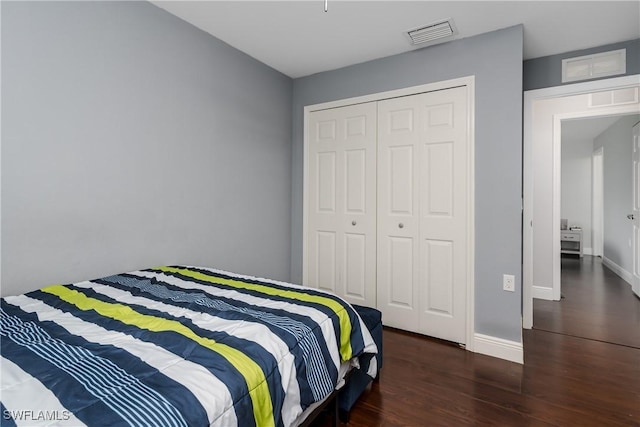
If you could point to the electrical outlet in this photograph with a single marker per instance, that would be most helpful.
(509, 282)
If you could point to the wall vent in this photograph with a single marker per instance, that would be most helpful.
(594, 66)
(436, 32)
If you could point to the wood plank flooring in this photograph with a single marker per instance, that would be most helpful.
(596, 304)
(566, 380)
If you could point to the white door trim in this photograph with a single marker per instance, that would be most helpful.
(408, 91)
(635, 210)
(468, 81)
(530, 97)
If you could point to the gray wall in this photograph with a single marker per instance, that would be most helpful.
(131, 139)
(496, 61)
(617, 141)
(575, 189)
(547, 71)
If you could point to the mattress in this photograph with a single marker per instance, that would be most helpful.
(177, 345)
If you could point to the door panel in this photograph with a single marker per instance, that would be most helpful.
(326, 260)
(400, 273)
(437, 197)
(422, 197)
(401, 176)
(438, 277)
(342, 201)
(355, 265)
(401, 120)
(326, 181)
(356, 167)
(326, 130)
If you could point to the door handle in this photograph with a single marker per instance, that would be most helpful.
(631, 217)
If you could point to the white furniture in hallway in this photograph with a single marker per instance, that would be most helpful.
(571, 242)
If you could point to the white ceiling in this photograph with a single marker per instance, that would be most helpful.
(298, 38)
(581, 130)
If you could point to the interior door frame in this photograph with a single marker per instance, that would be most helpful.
(635, 198)
(530, 97)
(468, 81)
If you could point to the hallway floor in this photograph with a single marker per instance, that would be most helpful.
(596, 304)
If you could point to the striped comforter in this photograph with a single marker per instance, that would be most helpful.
(174, 346)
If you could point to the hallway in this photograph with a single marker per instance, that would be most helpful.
(596, 304)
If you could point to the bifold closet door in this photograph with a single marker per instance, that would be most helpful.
(422, 212)
(341, 230)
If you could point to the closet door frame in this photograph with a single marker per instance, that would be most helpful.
(469, 82)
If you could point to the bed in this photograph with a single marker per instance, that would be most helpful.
(176, 346)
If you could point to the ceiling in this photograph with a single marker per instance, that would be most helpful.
(298, 38)
(586, 130)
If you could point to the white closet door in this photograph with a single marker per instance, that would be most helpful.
(422, 212)
(341, 242)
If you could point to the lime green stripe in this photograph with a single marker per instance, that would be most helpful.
(343, 316)
(252, 373)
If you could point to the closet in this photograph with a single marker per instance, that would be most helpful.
(388, 186)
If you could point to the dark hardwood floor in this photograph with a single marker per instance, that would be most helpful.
(596, 304)
(566, 380)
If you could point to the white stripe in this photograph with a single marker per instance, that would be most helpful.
(255, 332)
(22, 392)
(370, 345)
(92, 374)
(207, 388)
(262, 279)
(325, 323)
(316, 369)
(319, 317)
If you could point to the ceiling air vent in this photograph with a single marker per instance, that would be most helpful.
(432, 33)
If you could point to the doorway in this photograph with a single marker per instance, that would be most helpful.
(596, 300)
(581, 205)
(545, 109)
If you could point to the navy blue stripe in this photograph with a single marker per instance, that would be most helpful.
(71, 394)
(253, 292)
(324, 369)
(250, 291)
(177, 394)
(177, 344)
(356, 338)
(122, 392)
(255, 281)
(304, 290)
(353, 316)
(5, 419)
(265, 360)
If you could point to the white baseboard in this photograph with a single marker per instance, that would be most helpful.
(624, 274)
(498, 347)
(587, 251)
(542, 292)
